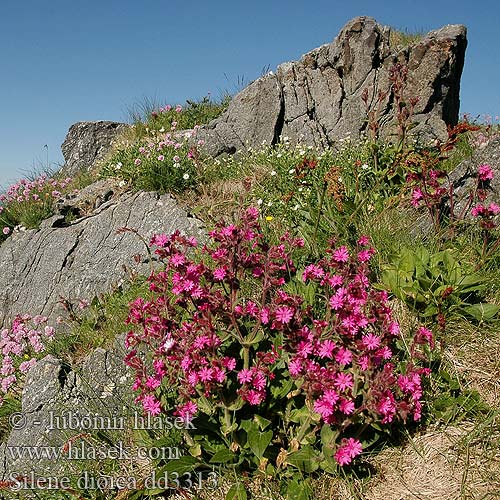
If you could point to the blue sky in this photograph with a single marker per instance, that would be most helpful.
(64, 61)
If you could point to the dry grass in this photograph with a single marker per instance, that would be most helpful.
(474, 355)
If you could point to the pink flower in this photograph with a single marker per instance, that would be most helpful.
(344, 381)
(346, 406)
(295, 367)
(477, 210)
(187, 410)
(49, 331)
(343, 356)
(326, 349)
(25, 366)
(337, 300)
(6, 230)
(245, 376)
(178, 108)
(161, 158)
(416, 196)
(254, 397)
(371, 341)
(349, 449)
(494, 208)
(284, 314)
(323, 407)
(151, 405)
(485, 172)
(137, 161)
(312, 271)
(341, 254)
(219, 273)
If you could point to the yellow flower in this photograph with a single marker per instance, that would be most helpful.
(269, 218)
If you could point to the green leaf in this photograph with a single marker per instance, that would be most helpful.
(181, 465)
(305, 459)
(223, 456)
(259, 441)
(482, 312)
(283, 390)
(237, 492)
(297, 490)
(328, 436)
(262, 422)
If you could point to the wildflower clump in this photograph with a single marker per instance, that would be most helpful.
(163, 161)
(277, 365)
(27, 202)
(21, 345)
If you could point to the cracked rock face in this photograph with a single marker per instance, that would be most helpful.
(38, 267)
(58, 404)
(88, 142)
(318, 99)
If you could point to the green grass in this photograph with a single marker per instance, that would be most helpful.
(99, 324)
(150, 116)
(404, 38)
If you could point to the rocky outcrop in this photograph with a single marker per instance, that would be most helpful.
(319, 98)
(59, 403)
(80, 259)
(88, 142)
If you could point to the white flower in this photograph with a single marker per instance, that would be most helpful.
(273, 172)
(185, 176)
(162, 130)
(301, 189)
(279, 155)
(118, 166)
(177, 165)
(259, 202)
(122, 183)
(269, 203)
(296, 207)
(364, 166)
(169, 342)
(302, 152)
(291, 171)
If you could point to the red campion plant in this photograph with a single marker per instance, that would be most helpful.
(268, 362)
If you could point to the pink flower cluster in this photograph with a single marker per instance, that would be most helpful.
(486, 213)
(428, 188)
(224, 328)
(485, 172)
(166, 109)
(39, 191)
(19, 346)
(25, 190)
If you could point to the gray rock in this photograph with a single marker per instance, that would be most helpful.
(88, 142)
(318, 99)
(464, 177)
(38, 267)
(60, 403)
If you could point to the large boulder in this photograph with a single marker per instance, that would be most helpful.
(88, 142)
(79, 259)
(60, 402)
(319, 98)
